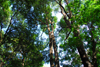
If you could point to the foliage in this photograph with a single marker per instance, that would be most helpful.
(21, 24)
(84, 13)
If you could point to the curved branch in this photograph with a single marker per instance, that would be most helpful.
(63, 8)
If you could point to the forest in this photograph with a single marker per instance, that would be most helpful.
(33, 35)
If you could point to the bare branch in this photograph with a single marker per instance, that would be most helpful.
(65, 14)
(63, 8)
(10, 23)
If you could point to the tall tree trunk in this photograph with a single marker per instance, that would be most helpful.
(80, 46)
(50, 47)
(55, 47)
(55, 52)
(81, 50)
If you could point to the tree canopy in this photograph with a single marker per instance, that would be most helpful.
(30, 35)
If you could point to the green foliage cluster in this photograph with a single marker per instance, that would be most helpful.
(5, 11)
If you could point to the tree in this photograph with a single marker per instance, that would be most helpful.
(75, 15)
(19, 43)
(21, 24)
(31, 22)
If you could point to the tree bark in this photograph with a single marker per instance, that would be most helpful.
(55, 47)
(50, 47)
(81, 50)
(56, 53)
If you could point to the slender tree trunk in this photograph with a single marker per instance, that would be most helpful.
(50, 47)
(55, 47)
(56, 53)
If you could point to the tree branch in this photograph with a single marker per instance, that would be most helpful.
(62, 8)
(68, 35)
(5, 35)
(68, 9)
